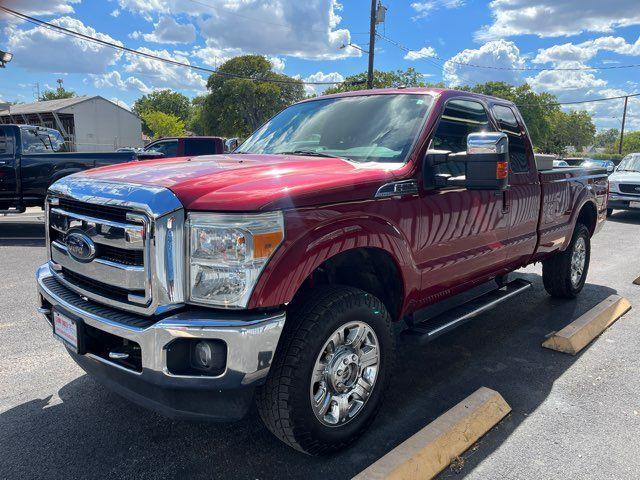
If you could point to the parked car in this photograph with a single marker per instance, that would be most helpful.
(624, 185)
(560, 163)
(171, 147)
(32, 158)
(276, 273)
(594, 163)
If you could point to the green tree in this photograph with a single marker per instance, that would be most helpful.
(630, 144)
(165, 101)
(568, 129)
(399, 78)
(161, 124)
(57, 94)
(195, 122)
(607, 138)
(237, 106)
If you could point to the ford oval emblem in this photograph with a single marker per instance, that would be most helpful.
(80, 246)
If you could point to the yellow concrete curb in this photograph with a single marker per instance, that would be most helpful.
(579, 333)
(432, 449)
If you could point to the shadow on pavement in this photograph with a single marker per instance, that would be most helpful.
(21, 232)
(94, 433)
(625, 216)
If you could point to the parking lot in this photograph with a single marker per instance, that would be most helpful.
(573, 417)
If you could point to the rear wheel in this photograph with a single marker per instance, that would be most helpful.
(565, 273)
(330, 371)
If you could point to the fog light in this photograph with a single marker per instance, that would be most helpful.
(203, 354)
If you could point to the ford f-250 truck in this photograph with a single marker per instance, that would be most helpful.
(32, 158)
(194, 286)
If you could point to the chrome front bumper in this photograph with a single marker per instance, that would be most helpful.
(251, 341)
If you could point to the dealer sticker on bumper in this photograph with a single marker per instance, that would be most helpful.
(66, 329)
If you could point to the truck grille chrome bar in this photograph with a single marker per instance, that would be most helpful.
(101, 240)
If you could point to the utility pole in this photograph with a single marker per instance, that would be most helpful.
(36, 87)
(624, 119)
(372, 43)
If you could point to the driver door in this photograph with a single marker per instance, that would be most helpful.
(8, 166)
(463, 232)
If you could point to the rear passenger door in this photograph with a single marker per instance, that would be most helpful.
(522, 198)
(462, 231)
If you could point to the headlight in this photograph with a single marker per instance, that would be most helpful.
(613, 186)
(227, 254)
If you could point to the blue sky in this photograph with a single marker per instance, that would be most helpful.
(303, 38)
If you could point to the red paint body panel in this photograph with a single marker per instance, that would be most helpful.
(443, 241)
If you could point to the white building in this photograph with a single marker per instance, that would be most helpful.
(89, 124)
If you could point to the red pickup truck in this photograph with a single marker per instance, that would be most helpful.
(196, 286)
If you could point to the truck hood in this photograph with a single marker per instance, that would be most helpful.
(625, 177)
(247, 182)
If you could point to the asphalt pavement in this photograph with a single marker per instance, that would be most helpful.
(573, 417)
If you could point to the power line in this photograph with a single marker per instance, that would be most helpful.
(88, 38)
(578, 102)
(490, 67)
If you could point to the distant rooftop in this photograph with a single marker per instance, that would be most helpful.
(46, 106)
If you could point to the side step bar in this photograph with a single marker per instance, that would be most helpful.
(446, 321)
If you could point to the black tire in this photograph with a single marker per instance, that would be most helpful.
(556, 271)
(284, 401)
(609, 212)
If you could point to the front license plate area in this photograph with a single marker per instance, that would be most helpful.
(634, 204)
(68, 330)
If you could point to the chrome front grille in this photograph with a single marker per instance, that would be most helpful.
(121, 246)
(120, 250)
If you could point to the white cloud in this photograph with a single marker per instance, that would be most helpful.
(585, 51)
(135, 35)
(278, 64)
(114, 79)
(45, 50)
(115, 13)
(321, 77)
(553, 18)
(39, 7)
(423, 9)
(304, 29)
(559, 81)
(500, 54)
(167, 30)
(164, 75)
(424, 52)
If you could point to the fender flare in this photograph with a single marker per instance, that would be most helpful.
(297, 259)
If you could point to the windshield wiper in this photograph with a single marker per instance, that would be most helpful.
(310, 153)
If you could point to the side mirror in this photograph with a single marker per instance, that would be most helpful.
(230, 144)
(487, 162)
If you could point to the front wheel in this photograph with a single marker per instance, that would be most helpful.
(565, 273)
(330, 370)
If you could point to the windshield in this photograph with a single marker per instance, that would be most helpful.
(630, 163)
(373, 128)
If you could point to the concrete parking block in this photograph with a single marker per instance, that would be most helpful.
(432, 449)
(636, 281)
(579, 333)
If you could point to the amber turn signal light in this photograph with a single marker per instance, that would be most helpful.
(502, 170)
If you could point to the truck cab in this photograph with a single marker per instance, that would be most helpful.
(275, 274)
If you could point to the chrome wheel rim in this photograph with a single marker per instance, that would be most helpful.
(578, 260)
(344, 374)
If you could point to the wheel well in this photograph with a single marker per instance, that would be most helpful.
(370, 269)
(588, 216)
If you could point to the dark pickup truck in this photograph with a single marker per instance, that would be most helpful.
(195, 285)
(32, 158)
(171, 147)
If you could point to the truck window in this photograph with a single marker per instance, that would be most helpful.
(507, 123)
(169, 148)
(57, 141)
(459, 119)
(200, 146)
(35, 141)
(4, 146)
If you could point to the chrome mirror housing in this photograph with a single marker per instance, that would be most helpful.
(487, 143)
